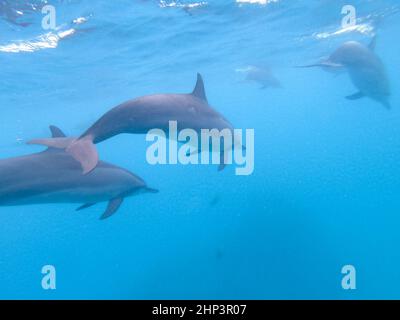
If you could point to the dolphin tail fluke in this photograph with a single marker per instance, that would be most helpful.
(57, 143)
(84, 151)
(112, 208)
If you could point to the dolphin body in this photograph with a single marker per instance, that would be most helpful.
(365, 68)
(138, 116)
(54, 176)
(262, 75)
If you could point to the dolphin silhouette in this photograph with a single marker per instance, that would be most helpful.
(54, 176)
(365, 68)
(138, 116)
(262, 75)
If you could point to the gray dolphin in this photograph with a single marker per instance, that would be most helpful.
(54, 176)
(262, 75)
(365, 68)
(140, 115)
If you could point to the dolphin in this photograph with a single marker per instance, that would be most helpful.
(365, 68)
(54, 176)
(138, 116)
(262, 75)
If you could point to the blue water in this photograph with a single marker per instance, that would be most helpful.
(325, 191)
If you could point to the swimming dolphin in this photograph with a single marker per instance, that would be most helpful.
(54, 176)
(365, 68)
(191, 111)
(262, 75)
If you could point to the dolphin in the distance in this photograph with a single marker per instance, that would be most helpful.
(365, 68)
(54, 176)
(262, 75)
(139, 116)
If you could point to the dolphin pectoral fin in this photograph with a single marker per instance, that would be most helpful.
(332, 65)
(57, 143)
(84, 151)
(152, 190)
(356, 96)
(387, 105)
(309, 65)
(85, 206)
(327, 64)
(113, 206)
(372, 44)
(222, 163)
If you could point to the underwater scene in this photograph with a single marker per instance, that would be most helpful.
(219, 149)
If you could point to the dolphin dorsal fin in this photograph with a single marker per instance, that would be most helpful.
(199, 91)
(372, 44)
(56, 132)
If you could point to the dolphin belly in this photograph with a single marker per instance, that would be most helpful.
(371, 82)
(47, 191)
(67, 196)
